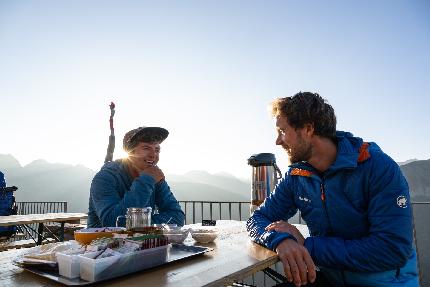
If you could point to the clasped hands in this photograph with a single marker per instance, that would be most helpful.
(298, 264)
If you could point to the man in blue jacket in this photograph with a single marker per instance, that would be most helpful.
(135, 181)
(352, 196)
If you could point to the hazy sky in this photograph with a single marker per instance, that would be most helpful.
(206, 71)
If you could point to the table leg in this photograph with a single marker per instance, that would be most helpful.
(40, 234)
(62, 231)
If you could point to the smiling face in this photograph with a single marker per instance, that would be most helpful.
(145, 154)
(293, 141)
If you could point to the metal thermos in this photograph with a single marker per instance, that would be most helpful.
(265, 175)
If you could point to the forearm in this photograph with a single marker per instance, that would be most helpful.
(278, 206)
(140, 192)
(169, 208)
(256, 228)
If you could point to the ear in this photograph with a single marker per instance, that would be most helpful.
(308, 129)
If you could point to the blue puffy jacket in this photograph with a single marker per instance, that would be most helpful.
(113, 190)
(358, 213)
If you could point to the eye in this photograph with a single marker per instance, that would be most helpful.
(281, 132)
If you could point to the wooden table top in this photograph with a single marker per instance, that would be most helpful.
(37, 218)
(234, 257)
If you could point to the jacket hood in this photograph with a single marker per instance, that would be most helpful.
(348, 150)
(113, 165)
(118, 168)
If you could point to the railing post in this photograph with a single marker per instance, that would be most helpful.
(220, 207)
(229, 210)
(194, 212)
(201, 207)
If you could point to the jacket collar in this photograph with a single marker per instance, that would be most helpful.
(350, 151)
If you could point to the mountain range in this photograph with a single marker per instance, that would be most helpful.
(44, 181)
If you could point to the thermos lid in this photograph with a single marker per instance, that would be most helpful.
(262, 159)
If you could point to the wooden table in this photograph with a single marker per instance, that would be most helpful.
(26, 219)
(234, 257)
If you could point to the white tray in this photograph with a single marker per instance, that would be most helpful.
(174, 253)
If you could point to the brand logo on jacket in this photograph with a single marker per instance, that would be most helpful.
(402, 201)
(304, 199)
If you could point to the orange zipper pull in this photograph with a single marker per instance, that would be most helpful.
(322, 193)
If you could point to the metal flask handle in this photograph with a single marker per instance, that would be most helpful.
(278, 173)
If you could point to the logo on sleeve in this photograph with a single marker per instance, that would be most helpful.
(402, 201)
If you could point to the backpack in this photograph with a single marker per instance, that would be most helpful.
(7, 206)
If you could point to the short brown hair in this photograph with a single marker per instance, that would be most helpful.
(304, 108)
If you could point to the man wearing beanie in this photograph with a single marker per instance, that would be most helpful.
(135, 181)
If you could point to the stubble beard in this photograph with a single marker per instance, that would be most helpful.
(302, 152)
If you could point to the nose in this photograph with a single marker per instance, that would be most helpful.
(279, 140)
(151, 154)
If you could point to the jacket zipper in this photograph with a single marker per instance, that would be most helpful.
(323, 199)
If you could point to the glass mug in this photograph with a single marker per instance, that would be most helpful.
(137, 218)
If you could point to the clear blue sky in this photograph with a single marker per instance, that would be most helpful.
(207, 70)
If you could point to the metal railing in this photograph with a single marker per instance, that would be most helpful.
(196, 211)
(40, 207)
(220, 210)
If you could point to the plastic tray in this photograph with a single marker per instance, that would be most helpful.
(175, 252)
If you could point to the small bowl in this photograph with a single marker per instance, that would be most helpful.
(85, 236)
(204, 237)
(176, 235)
(204, 229)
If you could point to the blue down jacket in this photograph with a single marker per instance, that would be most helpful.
(358, 213)
(113, 190)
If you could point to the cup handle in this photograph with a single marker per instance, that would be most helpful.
(117, 219)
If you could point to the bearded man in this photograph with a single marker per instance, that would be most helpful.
(353, 197)
(135, 181)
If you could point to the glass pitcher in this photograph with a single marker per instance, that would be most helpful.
(137, 218)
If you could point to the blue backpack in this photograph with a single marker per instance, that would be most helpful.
(7, 206)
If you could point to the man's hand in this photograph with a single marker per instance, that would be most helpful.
(142, 167)
(283, 226)
(153, 171)
(298, 264)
